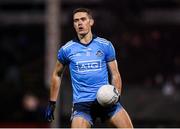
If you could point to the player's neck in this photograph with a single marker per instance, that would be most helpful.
(85, 39)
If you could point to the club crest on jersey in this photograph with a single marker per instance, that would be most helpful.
(99, 53)
(85, 66)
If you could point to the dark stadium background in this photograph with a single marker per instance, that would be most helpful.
(146, 36)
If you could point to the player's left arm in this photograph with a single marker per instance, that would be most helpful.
(115, 75)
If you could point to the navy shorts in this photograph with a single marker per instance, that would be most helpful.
(92, 110)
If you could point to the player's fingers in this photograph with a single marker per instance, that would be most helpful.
(49, 119)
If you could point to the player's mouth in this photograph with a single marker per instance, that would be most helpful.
(80, 28)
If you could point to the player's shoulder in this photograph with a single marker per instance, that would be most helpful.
(102, 40)
(68, 44)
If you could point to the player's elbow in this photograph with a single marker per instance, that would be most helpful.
(55, 79)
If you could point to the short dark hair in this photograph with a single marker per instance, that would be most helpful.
(86, 10)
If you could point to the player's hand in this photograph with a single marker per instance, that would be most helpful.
(117, 93)
(49, 113)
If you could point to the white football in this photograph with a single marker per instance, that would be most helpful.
(107, 95)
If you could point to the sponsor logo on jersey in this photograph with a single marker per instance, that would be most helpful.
(85, 66)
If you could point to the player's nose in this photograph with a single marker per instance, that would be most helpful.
(79, 22)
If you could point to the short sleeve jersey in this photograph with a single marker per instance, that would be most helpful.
(87, 65)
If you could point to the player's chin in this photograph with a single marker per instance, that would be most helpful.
(82, 33)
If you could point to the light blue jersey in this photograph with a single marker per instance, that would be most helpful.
(87, 65)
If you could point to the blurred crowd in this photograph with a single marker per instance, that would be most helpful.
(22, 91)
(149, 57)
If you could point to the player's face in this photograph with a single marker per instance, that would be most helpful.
(82, 23)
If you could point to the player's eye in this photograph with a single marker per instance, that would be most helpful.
(83, 18)
(75, 20)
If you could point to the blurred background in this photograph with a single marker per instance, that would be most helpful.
(145, 34)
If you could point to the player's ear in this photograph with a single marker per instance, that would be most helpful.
(91, 22)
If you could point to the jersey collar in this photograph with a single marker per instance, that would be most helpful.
(76, 39)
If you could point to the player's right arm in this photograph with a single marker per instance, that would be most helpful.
(56, 81)
(54, 90)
